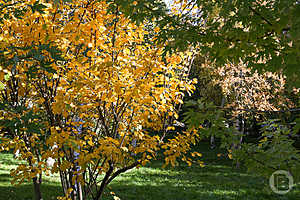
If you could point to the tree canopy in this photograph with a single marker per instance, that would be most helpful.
(264, 34)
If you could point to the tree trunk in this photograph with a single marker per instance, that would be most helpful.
(239, 132)
(37, 188)
(104, 183)
(63, 182)
(212, 141)
(79, 191)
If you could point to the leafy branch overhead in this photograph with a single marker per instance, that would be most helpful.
(264, 34)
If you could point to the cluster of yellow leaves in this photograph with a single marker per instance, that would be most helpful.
(179, 146)
(110, 88)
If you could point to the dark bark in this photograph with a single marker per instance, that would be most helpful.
(118, 172)
(109, 176)
(37, 188)
(104, 183)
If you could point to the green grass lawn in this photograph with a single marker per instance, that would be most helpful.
(217, 180)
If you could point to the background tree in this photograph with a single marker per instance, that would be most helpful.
(249, 96)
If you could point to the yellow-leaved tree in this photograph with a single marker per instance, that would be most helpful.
(85, 92)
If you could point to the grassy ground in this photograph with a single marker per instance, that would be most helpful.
(218, 180)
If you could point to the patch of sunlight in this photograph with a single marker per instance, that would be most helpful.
(235, 174)
(52, 178)
(220, 166)
(224, 192)
(161, 170)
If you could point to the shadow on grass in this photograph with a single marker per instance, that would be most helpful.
(5, 178)
(25, 192)
(151, 192)
(204, 192)
(193, 184)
